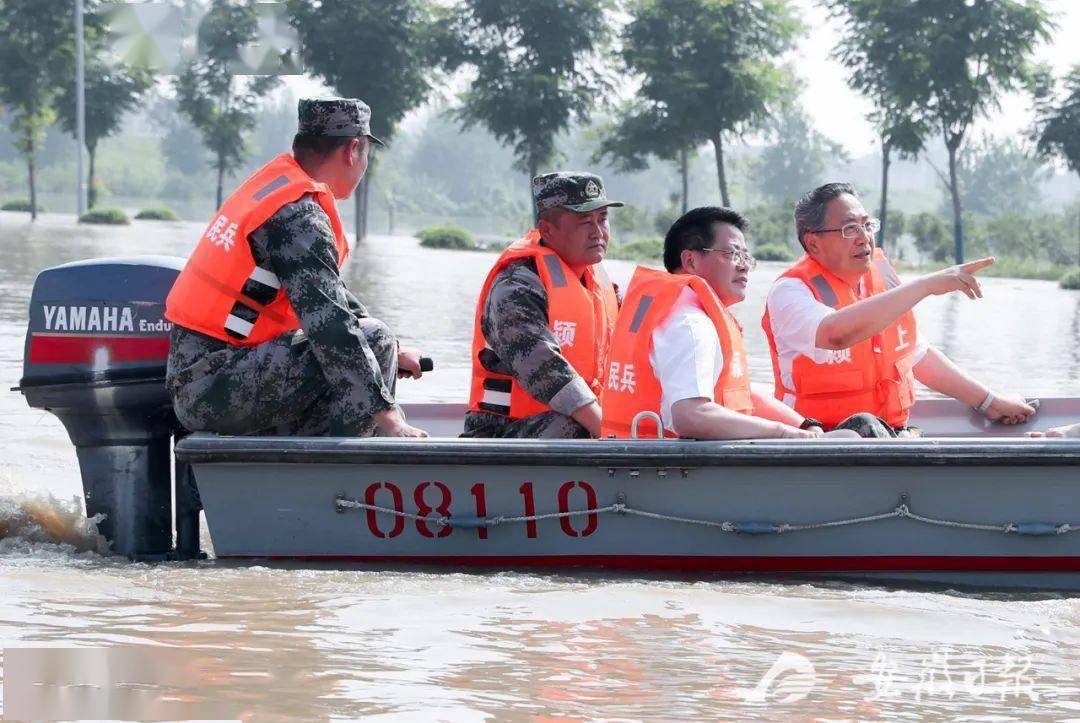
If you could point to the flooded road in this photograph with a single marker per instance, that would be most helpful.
(322, 642)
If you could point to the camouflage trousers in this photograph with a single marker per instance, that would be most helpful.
(275, 388)
(547, 425)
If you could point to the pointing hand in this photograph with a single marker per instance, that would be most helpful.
(957, 278)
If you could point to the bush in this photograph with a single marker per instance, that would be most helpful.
(933, 237)
(665, 217)
(1071, 280)
(106, 216)
(447, 237)
(641, 250)
(773, 252)
(771, 225)
(629, 220)
(159, 213)
(1013, 267)
(20, 204)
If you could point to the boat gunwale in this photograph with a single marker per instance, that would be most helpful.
(203, 448)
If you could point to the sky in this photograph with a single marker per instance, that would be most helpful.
(840, 113)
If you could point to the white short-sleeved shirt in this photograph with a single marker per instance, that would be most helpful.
(795, 316)
(686, 356)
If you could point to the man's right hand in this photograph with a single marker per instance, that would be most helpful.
(391, 423)
(957, 278)
(1010, 410)
(786, 431)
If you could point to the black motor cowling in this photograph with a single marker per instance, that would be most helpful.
(96, 350)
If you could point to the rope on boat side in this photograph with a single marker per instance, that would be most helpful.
(746, 527)
(342, 503)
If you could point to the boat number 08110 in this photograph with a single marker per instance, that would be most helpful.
(435, 498)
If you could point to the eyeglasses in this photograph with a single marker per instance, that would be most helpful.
(851, 230)
(739, 258)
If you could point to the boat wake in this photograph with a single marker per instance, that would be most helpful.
(29, 520)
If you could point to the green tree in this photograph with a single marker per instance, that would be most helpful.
(1001, 176)
(1057, 122)
(536, 68)
(897, 224)
(795, 161)
(111, 90)
(771, 224)
(711, 64)
(221, 105)
(382, 52)
(966, 54)
(641, 131)
(931, 235)
(900, 133)
(37, 57)
(874, 49)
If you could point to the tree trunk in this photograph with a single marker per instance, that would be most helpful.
(534, 166)
(886, 152)
(684, 169)
(91, 188)
(718, 144)
(390, 209)
(367, 204)
(954, 189)
(360, 205)
(358, 210)
(220, 181)
(31, 177)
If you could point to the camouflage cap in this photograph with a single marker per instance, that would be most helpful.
(581, 192)
(338, 117)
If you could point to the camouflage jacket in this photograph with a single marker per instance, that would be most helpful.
(297, 244)
(515, 324)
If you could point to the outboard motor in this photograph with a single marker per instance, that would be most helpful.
(95, 356)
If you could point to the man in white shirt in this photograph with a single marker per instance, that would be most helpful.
(813, 333)
(684, 328)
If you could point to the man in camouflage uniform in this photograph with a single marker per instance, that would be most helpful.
(335, 375)
(572, 212)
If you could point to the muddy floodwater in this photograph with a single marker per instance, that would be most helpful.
(286, 642)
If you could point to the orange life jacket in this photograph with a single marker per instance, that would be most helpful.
(631, 385)
(581, 316)
(221, 278)
(872, 376)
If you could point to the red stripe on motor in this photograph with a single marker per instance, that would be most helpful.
(737, 564)
(81, 349)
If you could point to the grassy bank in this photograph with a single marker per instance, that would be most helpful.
(643, 250)
(652, 251)
(1004, 267)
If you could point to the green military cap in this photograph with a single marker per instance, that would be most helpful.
(581, 192)
(337, 117)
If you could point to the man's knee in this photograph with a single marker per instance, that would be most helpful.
(867, 425)
(380, 338)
